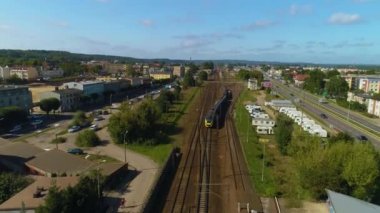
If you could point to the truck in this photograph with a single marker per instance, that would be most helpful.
(322, 101)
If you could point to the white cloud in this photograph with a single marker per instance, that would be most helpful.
(260, 24)
(300, 9)
(344, 18)
(147, 23)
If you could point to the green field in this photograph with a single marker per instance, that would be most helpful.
(253, 149)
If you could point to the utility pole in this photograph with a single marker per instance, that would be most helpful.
(125, 147)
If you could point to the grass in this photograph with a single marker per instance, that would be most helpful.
(101, 158)
(160, 152)
(253, 150)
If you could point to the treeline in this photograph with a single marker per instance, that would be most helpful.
(339, 164)
(246, 74)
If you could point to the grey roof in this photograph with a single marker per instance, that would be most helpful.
(346, 204)
(67, 91)
(58, 161)
(20, 150)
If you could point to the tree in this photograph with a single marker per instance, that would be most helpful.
(188, 80)
(79, 119)
(376, 96)
(283, 132)
(14, 79)
(10, 184)
(87, 138)
(315, 83)
(208, 65)
(337, 87)
(193, 68)
(202, 75)
(177, 92)
(11, 115)
(49, 104)
(131, 72)
(332, 73)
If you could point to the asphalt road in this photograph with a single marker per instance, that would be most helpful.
(312, 106)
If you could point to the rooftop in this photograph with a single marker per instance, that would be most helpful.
(342, 203)
(12, 87)
(26, 195)
(67, 91)
(58, 162)
(19, 150)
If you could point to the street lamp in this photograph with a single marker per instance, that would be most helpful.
(125, 146)
(348, 112)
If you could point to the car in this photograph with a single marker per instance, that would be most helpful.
(105, 112)
(15, 129)
(94, 127)
(8, 136)
(362, 138)
(98, 118)
(75, 151)
(324, 116)
(73, 129)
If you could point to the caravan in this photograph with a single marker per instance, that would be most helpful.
(264, 130)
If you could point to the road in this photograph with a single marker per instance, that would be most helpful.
(335, 119)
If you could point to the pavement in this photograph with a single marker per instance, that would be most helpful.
(144, 170)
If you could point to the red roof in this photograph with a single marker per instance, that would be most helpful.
(301, 77)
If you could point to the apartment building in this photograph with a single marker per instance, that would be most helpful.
(367, 83)
(69, 98)
(27, 73)
(14, 95)
(373, 107)
(4, 72)
(179, 71)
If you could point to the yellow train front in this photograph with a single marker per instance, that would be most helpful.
(214, 114)
(209, 119)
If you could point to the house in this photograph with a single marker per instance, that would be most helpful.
(14, 155)
(373, 107)
(27, 73)
(267, 122)
(69, 98)
(299, 79)
(341, 203)
(15, 95)
(253, 84)
(134, 81)
(361, 98)
(4, 72)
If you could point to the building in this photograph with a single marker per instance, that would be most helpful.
(160, 75)
(59, 163)
(266, 84)
(264, 130)
(14, 155)
(4, 72)
(253, 84)
(15, 95)
(361, 98)
(69, 98)
(29, 197)
(373, 107)
(54, 73)
(277, 104)
(299, 79)
(341, 203)
(370, 84)
(87, 87)
(28, 73)
(179, 71)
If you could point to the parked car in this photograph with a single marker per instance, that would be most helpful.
(94, 127)
(98, 118)
(324, 116)
(75, 151)
(10, 135)
(73, 129)
(15, 129)
(362, 138)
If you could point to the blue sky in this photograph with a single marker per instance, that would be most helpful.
(319, 31)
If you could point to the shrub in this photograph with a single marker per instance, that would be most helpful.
(58, 140)
(87, 138)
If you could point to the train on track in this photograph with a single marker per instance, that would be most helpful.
(215, 113)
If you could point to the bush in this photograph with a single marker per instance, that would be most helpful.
(58, 140)
(87, 138)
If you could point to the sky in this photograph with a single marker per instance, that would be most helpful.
(314, 31)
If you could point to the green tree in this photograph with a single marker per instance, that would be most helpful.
(202, 75)
(14, 79)
(337, 87)
(10, 184)
(315, 83)
(193, 68)
(79, 119)
(361, 170)
(87, 138)
(177, 92)
(188, 80)
(11, 115)
(332, 73)
(283, 132)
(131, 72)
(49, 104)
(376, 96)
(208, 65)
